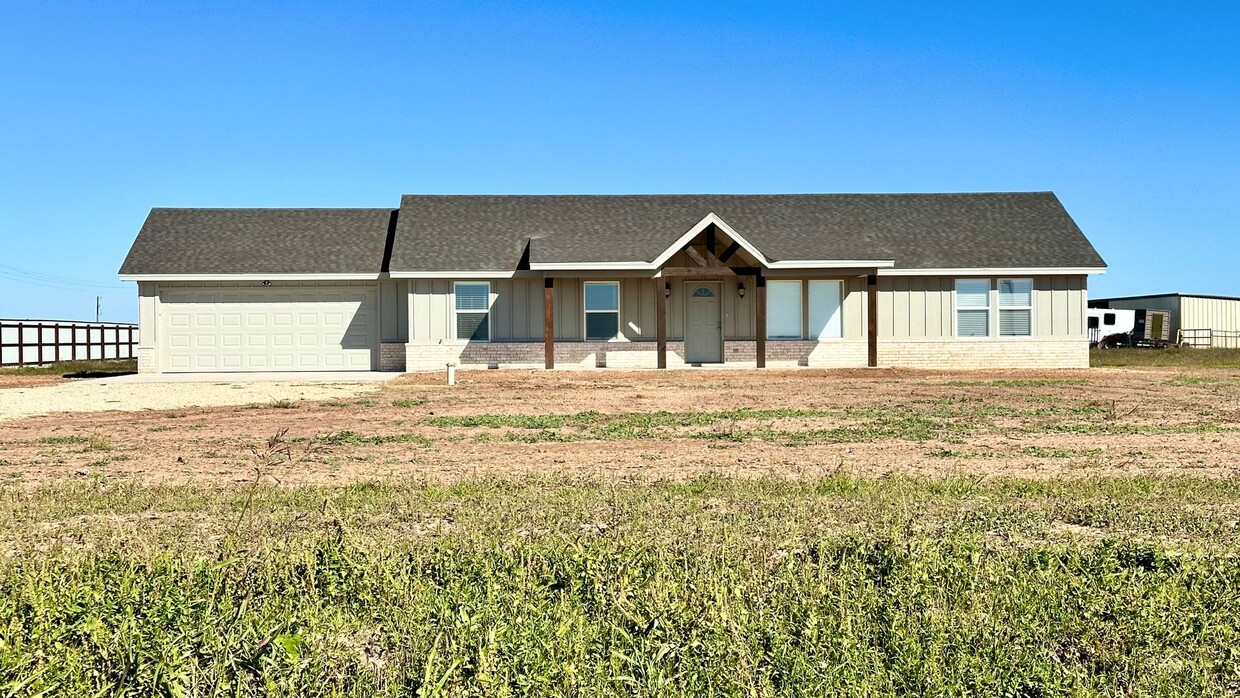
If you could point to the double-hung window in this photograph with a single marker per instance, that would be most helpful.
(973, 307)
(1015, 307)
(473, 303)
(602, 310)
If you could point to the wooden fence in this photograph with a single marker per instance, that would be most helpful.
(31, 342)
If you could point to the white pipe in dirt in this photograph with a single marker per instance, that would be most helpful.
(451, 373)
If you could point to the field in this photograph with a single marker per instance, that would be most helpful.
(610, 533)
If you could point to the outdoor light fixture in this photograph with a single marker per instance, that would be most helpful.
(667, 290)
(740, 289)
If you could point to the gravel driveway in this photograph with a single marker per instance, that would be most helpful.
(135, 397)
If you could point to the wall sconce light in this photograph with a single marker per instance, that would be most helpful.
(740, 289)
(667, 290)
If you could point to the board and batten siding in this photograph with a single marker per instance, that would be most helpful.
(517, 308)
(925, 306)
(908, 307)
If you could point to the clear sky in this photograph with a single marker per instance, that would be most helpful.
(1129, 111)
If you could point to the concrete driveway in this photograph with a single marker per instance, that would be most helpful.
(134, 393)
(287, 377)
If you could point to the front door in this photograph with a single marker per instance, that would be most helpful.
(703, 323)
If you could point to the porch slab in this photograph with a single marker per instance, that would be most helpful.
(272, 377)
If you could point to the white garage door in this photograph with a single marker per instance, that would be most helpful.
(304, 328)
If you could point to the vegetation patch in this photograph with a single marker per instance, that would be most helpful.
(76, 369)
(839, 586)
(1171, 357)
(62, 440)
(1030, 383)
(354, 439)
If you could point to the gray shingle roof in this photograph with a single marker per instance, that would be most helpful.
(917, 231)
(491, 233)
(260, 241)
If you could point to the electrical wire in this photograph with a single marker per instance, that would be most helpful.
(51, 281)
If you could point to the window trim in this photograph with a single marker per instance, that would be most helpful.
(456, 311)
(1000, 308)
(585, 312)
(802, 306)
(956, 308)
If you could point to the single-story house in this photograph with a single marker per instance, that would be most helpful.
(1197, 320)
(826, 280)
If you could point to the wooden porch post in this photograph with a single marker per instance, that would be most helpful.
(871, 311)
(549, 322)
(760, 316)
(660, 321)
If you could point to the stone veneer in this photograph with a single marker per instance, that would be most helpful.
(146, 359)
(1024, 352)
(930, 354)
(578, 354)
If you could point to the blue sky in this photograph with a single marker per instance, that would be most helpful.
(1130, 111)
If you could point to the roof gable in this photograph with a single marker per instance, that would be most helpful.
(915, 231)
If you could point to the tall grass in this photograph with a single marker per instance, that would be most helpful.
(841, 586)
(1174, 356)
(94, 368)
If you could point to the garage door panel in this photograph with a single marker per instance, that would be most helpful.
(308, 329)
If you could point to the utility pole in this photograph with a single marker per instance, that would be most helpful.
(96, 308)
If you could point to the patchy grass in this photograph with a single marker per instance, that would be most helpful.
(837, 586)
(354, 439)
(1023, 383)
(76, 369)
(66, 440)
(1175, 356)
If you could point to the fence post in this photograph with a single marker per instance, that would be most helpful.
(21, 357)
(38, 334)
(116, 335)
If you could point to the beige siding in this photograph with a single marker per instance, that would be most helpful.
(924, 306)
(393, 311)
(1059, 304)
(914, 306)
(429, 309)
(908, 307)
(517, 313)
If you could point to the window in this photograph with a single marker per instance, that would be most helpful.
(1108, 318)
(602, 309)
(1092, 323)
(783, 310)
(972, 307)
(824, 309)
(473, 301)
(1015, 307)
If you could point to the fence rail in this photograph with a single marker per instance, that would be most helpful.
(34, 342)
(1207, 339)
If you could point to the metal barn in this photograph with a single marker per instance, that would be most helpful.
(1196, 320)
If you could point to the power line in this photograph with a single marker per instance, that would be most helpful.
(12, 272)
(49, 281)
(115, 293)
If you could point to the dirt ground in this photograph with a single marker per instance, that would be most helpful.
(801, 423)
